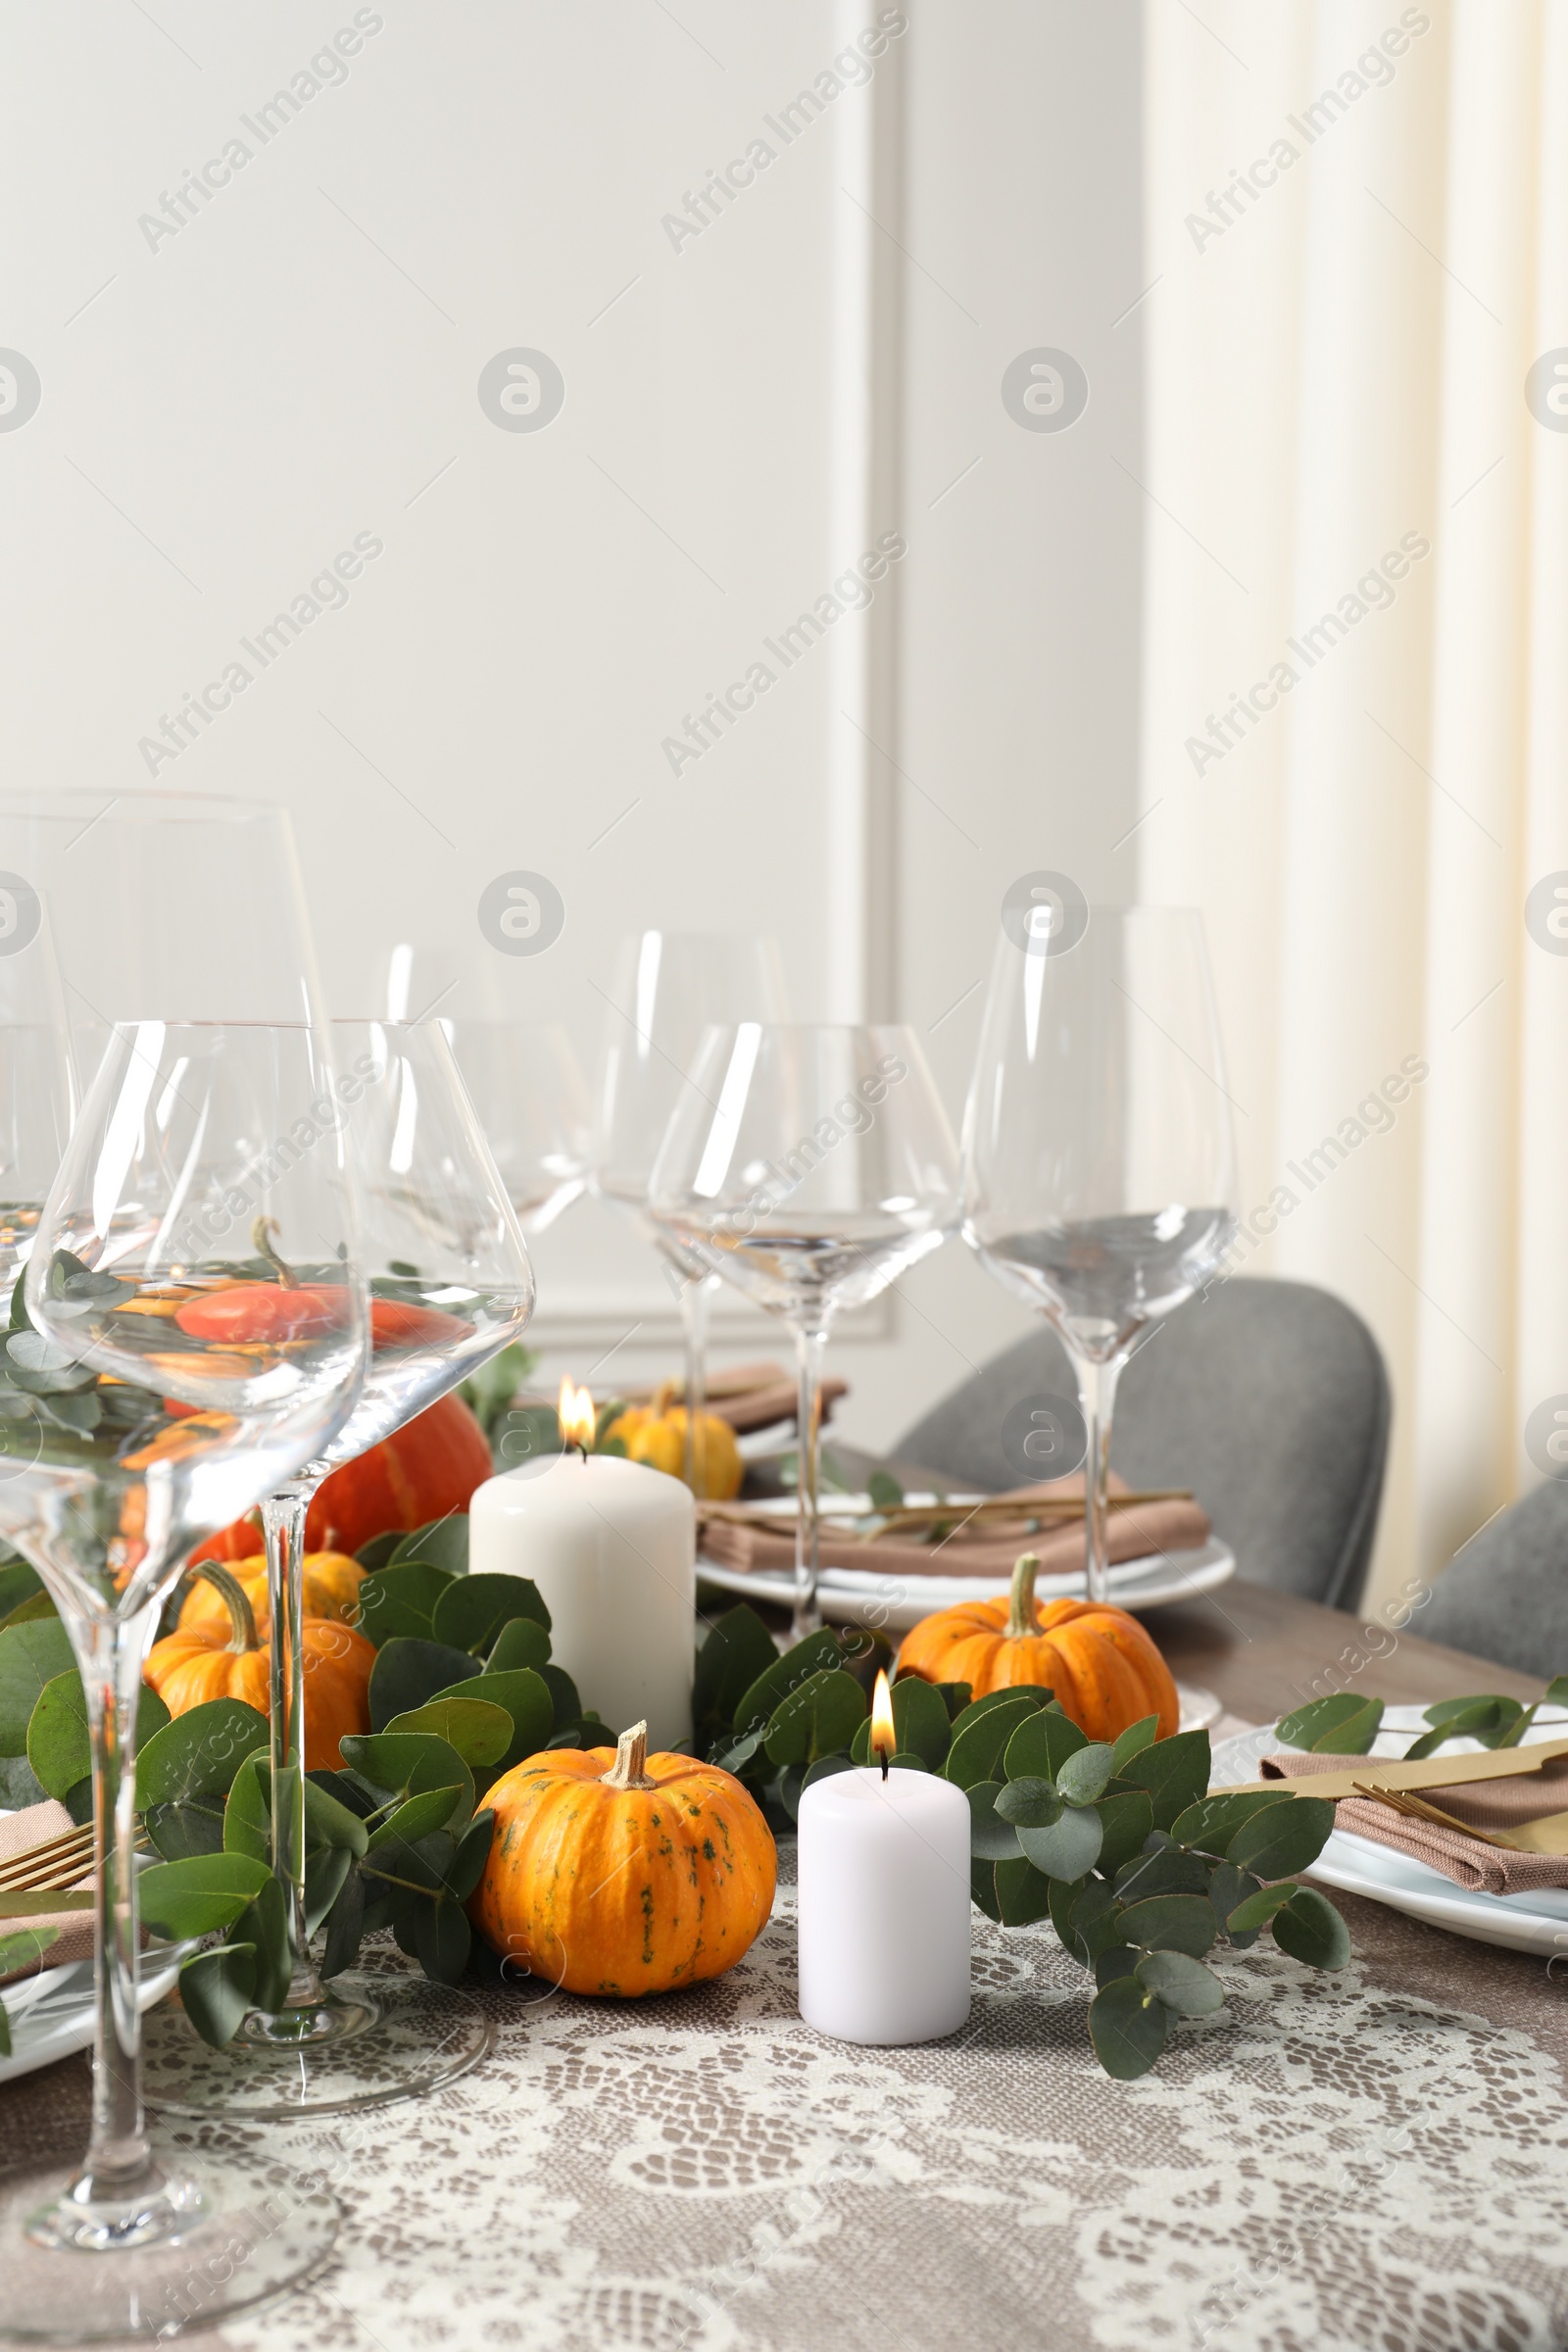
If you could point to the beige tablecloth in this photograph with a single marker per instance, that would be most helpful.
(1375, 2158)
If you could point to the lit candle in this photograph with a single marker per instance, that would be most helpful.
(612, 1548)
(884, 1899)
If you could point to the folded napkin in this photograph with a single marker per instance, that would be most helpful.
(1490, 1804)
(30, 1827)
(987, 1548)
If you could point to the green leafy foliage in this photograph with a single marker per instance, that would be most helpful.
(22, 1950)
(1343, 1725)
(488, 1392)
(1140, 1870)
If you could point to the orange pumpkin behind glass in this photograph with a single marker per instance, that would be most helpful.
(196, 1663)
(624, 1876)
(1103, 1667)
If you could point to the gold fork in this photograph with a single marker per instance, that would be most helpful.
(55, 1862)
(1401, 1800)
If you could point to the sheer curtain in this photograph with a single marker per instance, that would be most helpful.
(1356, 725)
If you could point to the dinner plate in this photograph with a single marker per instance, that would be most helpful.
(1533, 1922)
(893, 1603)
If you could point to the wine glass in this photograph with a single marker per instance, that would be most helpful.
(811, 1166)
(670, 986)
(531, 1098)
(1098, 1161)
(450, 1287)
(194, 1123)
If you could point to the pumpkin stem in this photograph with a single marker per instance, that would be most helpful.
(232, 1594)
(1022, 1620)
(631, 1755)
(262, 1232)
(664, 1395)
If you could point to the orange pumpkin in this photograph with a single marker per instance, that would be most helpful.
(188, 1668)
(332, 1584)
(429, 1467)
(1102, 1666)
(654, 1873)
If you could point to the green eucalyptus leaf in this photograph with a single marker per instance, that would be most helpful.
(1030, 1803)
(1069, 1846)
(955, 1696)
(377, 1552)
(263, 1924)
(217, 1990)
(883, 1491)
(1126, 1817)
(521, 1642)
(1254, 1911)
(1556, 1691)
(567, 1706)
(1175, 1772)
(1040, 1747)
(418, 1816)
(1344, 1724)
(796, 1780)
(26, 1612)
(982, 1887)
(1118, 1960)
(1094, 1918)
(193, 1826)
(818, 1653)
(1007, 1697)
(1127, 2026)
(1166, 1871)
(405, 1764)
(442, 1941)
(247, 1816)
(1228, 1889)
(738, 1649)
(345, 1925)
(1183, 1983)
(981, 1735)
(473, 1852)
(18, 1785)
(471, 1611)
(399, 1601)
(19, 1582)
(198, 1753)
(1310, 1929)
(327, 1870)
(524, 1696)
(1284, 1839)
(199, 1896)
(58, 1746)
(992, 1838)
(1514, 1735)
(920, 1722)
(31, 1655)
(409, 1670)
(1061, 1896)
(1171, 1923)
(1133, 1739)
(1213, 1821)
(440, 1543)
(818, 1719)
(479, 1730)
(1082, 1774)
(1023, 1893)
(733, 1755)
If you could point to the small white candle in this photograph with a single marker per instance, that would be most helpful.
(612, 1548)
(884, 1906)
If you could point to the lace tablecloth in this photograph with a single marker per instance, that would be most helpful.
(1376, 2158)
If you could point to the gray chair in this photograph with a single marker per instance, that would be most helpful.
(1506, 1596)
(1269, 1399)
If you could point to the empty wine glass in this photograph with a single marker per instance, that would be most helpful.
(669, 987)
(128, 1431)
(450, 1287)
(1098, 1161)
(811, 1166)
(531, 1098)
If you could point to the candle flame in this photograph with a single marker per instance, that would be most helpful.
(884, 1738)
(575, 1413)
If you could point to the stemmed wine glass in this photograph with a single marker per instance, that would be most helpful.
(127, 1433)
(1099, 1160)
(531, 1098)
(450, 1287)
(670, 986)
(811, 1166)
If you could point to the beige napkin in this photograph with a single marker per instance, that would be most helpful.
(1490, 1804)
(987, 1549)
(30, 1827)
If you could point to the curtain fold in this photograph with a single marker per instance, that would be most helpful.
(1355, 718)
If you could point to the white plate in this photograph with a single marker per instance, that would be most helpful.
(1536, 1921)
(894, 1603)
(58, 2018)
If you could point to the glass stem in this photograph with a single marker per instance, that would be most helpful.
(118, 2165)
(1097, 1400)
(808, 1347)
(283, 1522)
(695, 1298)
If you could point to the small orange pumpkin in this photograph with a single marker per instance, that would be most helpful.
(1104, 1668)
(188, 1668)
(654, 1874)
(332, 1584)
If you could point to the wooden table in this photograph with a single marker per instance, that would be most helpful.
(1264, 1652)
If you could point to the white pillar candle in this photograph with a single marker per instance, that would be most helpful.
(884, 1906)
(612, 1548)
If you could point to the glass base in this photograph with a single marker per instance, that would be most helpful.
(189, 2252)
(416, 2036)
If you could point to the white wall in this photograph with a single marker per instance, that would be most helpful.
(224, 409)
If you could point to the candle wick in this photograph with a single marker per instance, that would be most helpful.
(882, 1755)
